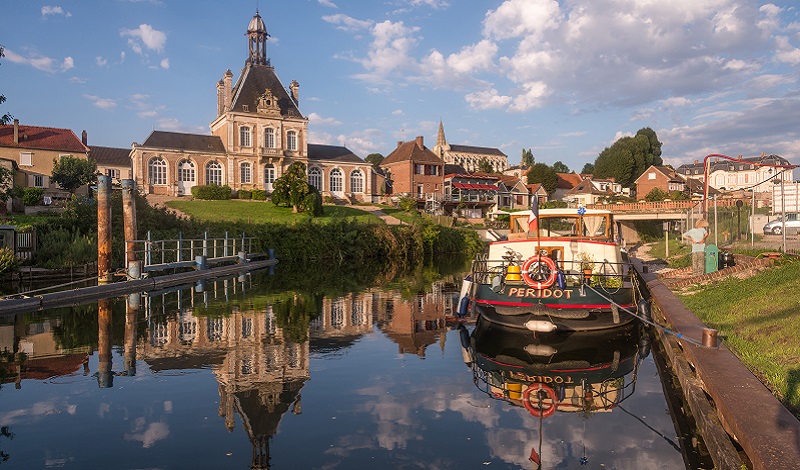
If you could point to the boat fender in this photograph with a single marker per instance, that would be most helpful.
(550, 266)
(562, 393)
(463, 307)
(644, 344)
(561, 280)
(643, 309)
(463, 335)
(541, 326)
(535, 411)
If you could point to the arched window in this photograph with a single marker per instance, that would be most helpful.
(269, 176)
(245, 173)
(269, 138)
(315, 178)
(157, 171)
(291, 140)
(244, 136)
(214, 173)
(356, 181)
(186, 171)
(336, 180)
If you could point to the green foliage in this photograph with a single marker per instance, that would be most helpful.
(561, 167)
(292, 190)
(544, 174)
(485, 166)
(212, 192)
(8, 262)
(6, 183)
(70, 173)
(245, 194)
(259, 195)
(64, 248)
(656, 194)
(374, 158)
(554, 205)
(629, 157)
(32, 196)
(407, 204)
(587, 169)
(527, 158)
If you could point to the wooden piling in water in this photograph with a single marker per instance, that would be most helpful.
(129, 222)
(104, 229)
(105, 377)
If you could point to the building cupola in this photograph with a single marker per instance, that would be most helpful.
(257, 37)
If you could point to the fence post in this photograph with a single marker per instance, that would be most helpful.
(148, 250)
(205, 243)
(180, 246)
(225, 249)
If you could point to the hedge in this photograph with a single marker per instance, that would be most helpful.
(212, 192)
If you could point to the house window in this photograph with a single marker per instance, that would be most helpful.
(214, 173)
(419, 169)
(112, 173)
(336, 180)
(244, 136)
(269, 138)
(157, 171)
(269, 176)
(38, 181)
(291, 140)
(186, 171)
(651, 175)
(315, 178)
(420, 190)
(245, 173)
(356, 181)
(26, 159)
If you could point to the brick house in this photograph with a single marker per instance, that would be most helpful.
(112, 161)
(661, 177)
(414, 170)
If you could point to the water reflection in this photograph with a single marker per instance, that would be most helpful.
(579, 372)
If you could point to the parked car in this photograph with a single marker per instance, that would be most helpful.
(775, 227)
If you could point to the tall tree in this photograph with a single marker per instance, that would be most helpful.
(527, 158)
(374, 158)
(292, 189)
(561, 167)
(70, 173)
(545, 175)
(7, 117)
(485, 166)
(588, 169)
(629, 157)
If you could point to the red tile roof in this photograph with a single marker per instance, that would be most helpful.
(569, 180)
(412, 151)
(41, 138)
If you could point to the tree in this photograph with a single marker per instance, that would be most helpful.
(485, 166)
(6, 187)
(588, 169)
(527, 158)
(292, 189)
(560, 167)
(70, 173)
(7, 117)
(656, 194)
(629, 157)
(545, 175)
(374, 158)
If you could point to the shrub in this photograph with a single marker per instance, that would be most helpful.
(212, 192)
(8, 262)
(63, 247)
(32, 196)
(407, 203)
(245, 194)
(259, 195)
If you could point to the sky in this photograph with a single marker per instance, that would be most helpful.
(563, 78)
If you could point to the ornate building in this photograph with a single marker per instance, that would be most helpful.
(467, 156)
(258, 132)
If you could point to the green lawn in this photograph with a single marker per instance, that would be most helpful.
(258, 212)
(759, 319)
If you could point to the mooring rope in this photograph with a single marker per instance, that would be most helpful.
(26, 293)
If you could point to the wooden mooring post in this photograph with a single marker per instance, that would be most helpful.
(133, 266)
(104, 272)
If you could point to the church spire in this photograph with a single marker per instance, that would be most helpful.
(440, 140)
(257, 40)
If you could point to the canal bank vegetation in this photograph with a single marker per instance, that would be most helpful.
(757, 318)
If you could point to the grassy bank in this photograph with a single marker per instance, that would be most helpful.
(759, 319)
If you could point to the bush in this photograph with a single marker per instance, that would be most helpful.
(32, 196)
(245, 194)
(8, 262)
(63, 248)
(212, 192)
(259, 195)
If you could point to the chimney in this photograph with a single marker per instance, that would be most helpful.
(696, 162)
(419, 142)
(16, 131)
(294, 87)
(84, 137)
(220, 97)
(228, 79)
(399, 143)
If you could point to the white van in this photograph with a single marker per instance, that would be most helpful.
(775, 227)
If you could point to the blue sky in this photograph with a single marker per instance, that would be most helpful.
(563, 78)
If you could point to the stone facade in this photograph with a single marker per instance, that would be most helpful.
(414, 170)
(467, 156)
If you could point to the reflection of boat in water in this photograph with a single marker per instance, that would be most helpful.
(560, 269)
(585, 372)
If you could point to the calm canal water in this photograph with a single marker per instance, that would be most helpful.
(242, 373)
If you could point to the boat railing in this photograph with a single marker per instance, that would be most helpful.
(604, 273)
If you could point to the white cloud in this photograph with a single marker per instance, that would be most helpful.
(164, 63)
(397, 112)
(390, 47)
(487, 100)
(347, 23)
(148, 436)
(39, 62)
(102, 103)
(327, 3)
(50, 10)
(78, 80)
(145, 35)
(317, 119)
(786, 52)
(101, 61)
(435, 4)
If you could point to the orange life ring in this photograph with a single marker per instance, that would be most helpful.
(535, 411)
(536, 284)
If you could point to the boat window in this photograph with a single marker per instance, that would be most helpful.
(558, 227)
(595, 225)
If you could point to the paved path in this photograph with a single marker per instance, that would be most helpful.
(376, 211)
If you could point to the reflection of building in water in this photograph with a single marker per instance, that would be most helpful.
(260, 372)
(416, 323)
(342, 320)
(44, 356)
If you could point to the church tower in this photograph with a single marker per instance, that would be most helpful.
(441, 149)
(257, 37)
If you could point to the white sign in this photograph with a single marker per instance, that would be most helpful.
(790, 197)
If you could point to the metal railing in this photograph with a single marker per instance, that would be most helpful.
(158, 255)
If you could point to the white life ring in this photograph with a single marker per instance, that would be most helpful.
(549, 265)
